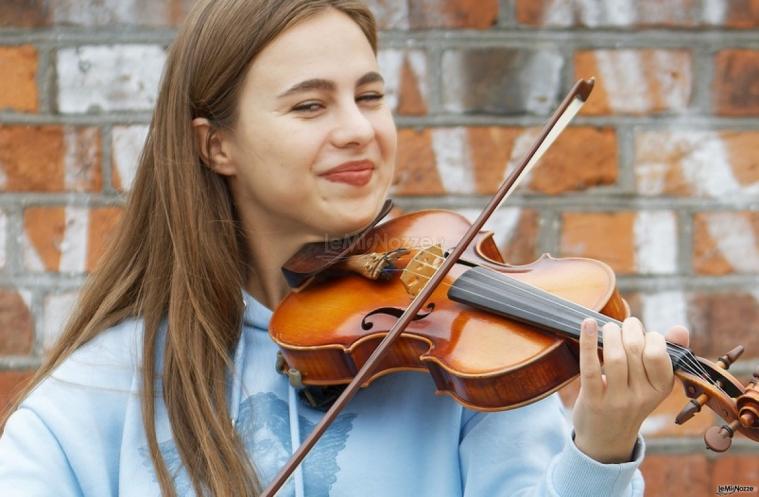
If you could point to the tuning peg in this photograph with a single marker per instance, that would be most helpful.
(719, 438)
(726, 360)
(748, 403)
(691, 408)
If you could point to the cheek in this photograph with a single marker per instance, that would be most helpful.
(388, 142)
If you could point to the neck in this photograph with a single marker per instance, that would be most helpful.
(269, 249)
(508, 297)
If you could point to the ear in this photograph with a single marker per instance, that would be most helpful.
(213, 147)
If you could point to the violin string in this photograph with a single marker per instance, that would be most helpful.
(683, 352)
(688, 365)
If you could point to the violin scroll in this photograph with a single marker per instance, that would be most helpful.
(710, 384)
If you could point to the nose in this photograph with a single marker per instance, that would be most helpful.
(352, 126)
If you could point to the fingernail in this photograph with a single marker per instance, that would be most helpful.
(588, 325)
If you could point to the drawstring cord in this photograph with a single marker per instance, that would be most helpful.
(292, 405)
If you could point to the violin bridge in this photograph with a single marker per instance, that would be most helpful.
(420, 268)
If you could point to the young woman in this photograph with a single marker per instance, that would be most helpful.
(270, 131)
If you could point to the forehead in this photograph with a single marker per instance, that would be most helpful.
(329, 45)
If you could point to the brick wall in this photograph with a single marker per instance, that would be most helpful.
(658, 176)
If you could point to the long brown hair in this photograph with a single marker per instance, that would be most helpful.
(180, 252)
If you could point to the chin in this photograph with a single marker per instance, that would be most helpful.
(353, 220)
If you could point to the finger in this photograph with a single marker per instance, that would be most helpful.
(590, 365)
(615, 359)
(634, 342)
(679, 335)
(657, 363)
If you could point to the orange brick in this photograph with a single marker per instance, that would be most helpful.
(470, 14)
(605, 236)
(736, 469)
(44, 227)
(18, 86)
(726, 242)
(416, 172)
(103, 225)
(723, 320)
(408, 70)
(677, 475)
(67, 239)
(411, 101)
(735, 90)
(741, 14)
(11, 383)
(580, 159)
(49, 159)
(636, 81)
(476, 160)
(24, 14)
(16, 324)
(696, 163)
(521, 247)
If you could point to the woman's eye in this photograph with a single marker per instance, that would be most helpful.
(314, 107)
(371, 97)
(308, 107)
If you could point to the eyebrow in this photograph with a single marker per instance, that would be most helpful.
(327, 85)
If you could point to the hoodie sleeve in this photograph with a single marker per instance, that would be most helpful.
(65, 438)
(529, 452)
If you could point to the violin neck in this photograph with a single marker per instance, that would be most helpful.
(508, 297)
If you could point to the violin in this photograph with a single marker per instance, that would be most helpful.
(493, 336)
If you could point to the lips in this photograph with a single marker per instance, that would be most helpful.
(361, 165)
(355, 173)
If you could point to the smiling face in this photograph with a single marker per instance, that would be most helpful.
(312, 101)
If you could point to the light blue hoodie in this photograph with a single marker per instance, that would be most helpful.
(80, 433)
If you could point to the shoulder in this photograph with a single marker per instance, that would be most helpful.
(92, 387)
(109, 361)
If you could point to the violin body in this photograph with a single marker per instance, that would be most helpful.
(327, 330)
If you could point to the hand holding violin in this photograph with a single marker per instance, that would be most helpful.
(637, 376)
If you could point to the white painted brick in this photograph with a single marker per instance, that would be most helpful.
(57, 309)
(736, 241)
(80, 157)
(628, 86)
(502, 223)
(656, 242)
(618, 13)
(108, 78)
(543, 71)
(391, 65)
(453, 159)
(662, 310)
(127, 146)
(32, 259)
(715, 11)
(702, 156)
(74, 243)
(109, 12)
(390, 14)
